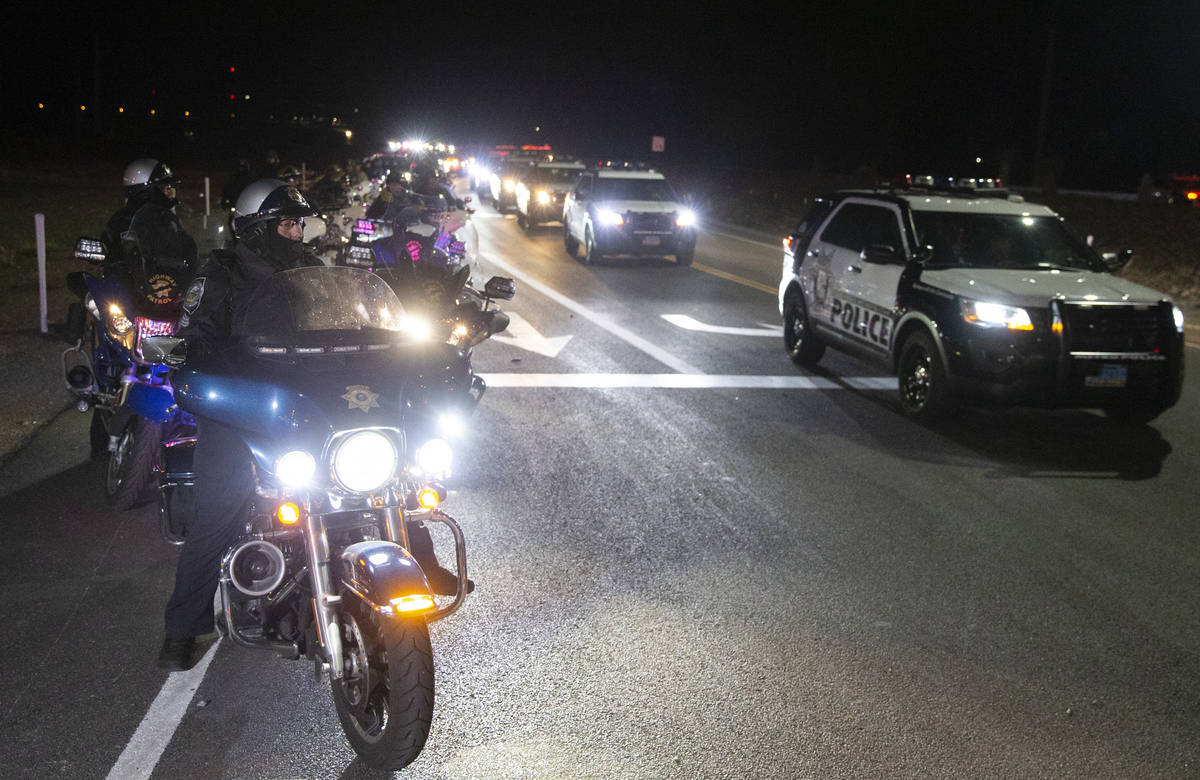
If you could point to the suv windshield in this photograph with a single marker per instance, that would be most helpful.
(555, 175)
(320, 299)
(634, 189)
(1002, 241)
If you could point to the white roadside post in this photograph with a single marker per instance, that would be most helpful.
(39, 229)
(207, 193)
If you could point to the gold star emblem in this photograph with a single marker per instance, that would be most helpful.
(361, 397)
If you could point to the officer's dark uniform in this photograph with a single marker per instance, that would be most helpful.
(214, 308)
(160, 253)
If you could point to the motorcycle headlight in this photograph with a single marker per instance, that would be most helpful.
(434, 459)
(996, 315)
(609, 217)
(364, 461)
(509, 185)
(295, 468)
(685, 218)
(543, 197)
(117, 320)
(416, 327)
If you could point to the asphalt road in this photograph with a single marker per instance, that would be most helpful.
(694, 561)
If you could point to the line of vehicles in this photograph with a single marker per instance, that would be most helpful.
(965, 291)
(351, 381)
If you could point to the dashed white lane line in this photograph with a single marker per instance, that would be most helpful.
(690, 381)
(140, 756)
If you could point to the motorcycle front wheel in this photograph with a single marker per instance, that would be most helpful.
(129, 476)
(385, 697)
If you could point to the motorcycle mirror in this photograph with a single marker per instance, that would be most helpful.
(90, 250)
(500, 288)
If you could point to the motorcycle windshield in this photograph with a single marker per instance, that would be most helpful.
(322, 310)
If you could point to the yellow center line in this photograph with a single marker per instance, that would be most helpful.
(708, 269)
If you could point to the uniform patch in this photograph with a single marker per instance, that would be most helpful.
(160, 288)
(195, 292)
(361, 397)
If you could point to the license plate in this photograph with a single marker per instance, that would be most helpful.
(1111, 375)
(651, 241)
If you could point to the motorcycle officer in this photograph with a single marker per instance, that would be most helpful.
(147, 182)
(269, 227)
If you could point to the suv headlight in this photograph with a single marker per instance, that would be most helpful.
(364, 461)
(1178, 314)
(609, 217)
(685, 218)
(996, 315)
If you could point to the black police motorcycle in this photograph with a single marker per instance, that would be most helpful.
(350, 421)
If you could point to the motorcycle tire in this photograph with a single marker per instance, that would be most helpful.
(129, 473)
(387, 719)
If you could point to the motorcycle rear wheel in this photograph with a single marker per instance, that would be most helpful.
(129, 474)
(385, 697)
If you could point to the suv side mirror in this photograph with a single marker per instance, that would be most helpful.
(879, 253)
(1115, 261)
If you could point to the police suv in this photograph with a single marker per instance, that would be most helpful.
(617, 211)
(970, 293)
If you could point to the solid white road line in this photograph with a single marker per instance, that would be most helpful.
(690, 381)
(140, 756)
(659, 354)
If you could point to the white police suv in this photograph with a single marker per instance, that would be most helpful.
(618, 211)
(970, 293)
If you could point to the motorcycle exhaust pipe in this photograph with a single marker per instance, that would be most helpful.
(256, 567)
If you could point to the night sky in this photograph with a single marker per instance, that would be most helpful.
(913, 86)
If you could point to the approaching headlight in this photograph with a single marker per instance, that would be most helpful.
(364, 461)
(295, 468)
(996, 315)
(609, 217)
(543, 196)
(509, 185)
(1178, 313)
(434, 458)
(685, 218)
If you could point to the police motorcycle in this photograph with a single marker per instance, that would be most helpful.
(130, 395)
(350, 421)
(426, 255)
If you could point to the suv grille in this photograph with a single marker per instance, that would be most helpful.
(654, 222)
(1112, 328)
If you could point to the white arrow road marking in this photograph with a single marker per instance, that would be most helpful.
(691, 381)
(520, 333)
(687, 323)
(651, 349)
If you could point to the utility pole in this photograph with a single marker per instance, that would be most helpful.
(1047, 79)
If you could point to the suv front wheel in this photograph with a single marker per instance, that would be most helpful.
(925, 392)
(801, 343)
(569, 241)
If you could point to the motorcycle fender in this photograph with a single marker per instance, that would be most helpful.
(380, 573)
(155, 403)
